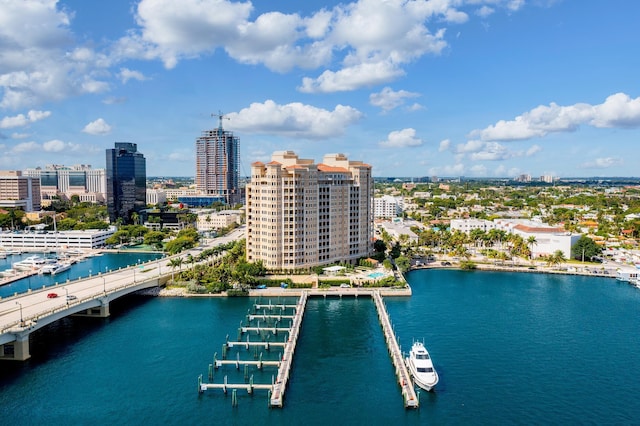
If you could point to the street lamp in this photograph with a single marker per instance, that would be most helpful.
(104, 285)
(21, 321)
(66, 294)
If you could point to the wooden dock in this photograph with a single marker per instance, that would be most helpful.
(276, 389)
(279, 387)
(402, 373)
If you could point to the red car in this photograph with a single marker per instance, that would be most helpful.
(52, 295)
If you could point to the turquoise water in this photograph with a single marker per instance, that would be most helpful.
(375, 275)
(93, 265)
(509, 348)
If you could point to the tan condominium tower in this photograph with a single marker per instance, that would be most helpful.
(301, 214)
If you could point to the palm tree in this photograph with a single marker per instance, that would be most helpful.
(175, 263)
(531, 241)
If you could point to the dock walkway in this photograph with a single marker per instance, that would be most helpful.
(402, 373)
(276, 389)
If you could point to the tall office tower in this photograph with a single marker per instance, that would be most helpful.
(300, 214)
(18, 191)
(126, 181)
(218, 164)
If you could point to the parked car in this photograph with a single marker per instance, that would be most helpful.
(345, 285)
(261, 287)
(52, 295)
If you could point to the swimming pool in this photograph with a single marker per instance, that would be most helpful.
(375, 275)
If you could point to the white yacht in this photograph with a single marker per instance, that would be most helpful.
(55, 268)
(31, 262)
(421, 367)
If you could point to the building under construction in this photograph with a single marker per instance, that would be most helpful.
(218, 164)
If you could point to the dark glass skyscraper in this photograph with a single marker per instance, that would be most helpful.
(126, 181)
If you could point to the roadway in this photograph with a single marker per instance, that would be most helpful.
(22, 310)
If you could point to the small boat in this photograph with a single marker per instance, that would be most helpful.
(421, 367)
(8, 272)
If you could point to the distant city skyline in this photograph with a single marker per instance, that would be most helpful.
(474, 88)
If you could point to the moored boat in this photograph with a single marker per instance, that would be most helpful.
(421, 367)
(55, 268)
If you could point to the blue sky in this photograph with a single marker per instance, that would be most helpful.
(414, 88)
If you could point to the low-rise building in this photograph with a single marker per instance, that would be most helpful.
(42, 240)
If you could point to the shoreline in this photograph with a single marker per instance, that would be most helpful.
(563, 269)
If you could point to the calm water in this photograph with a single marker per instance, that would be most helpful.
(103, 263)
(510, 349)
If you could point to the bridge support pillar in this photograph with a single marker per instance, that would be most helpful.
(97, 312)
(17, 350)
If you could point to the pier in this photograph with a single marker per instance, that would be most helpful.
(402, 373)
(278, 387)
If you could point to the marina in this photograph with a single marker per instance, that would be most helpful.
(277, 388)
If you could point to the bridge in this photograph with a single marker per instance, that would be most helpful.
(23, 314)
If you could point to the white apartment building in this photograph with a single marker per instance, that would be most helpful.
(549, 239)
(172, 194)
(387, 207)
(468, 225)
(300, 214)
(210, 220)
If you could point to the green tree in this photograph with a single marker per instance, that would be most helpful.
(585, 248)
(403, 263)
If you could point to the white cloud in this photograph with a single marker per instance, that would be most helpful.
(19, 135)
(478, 150)
(352, 78)
(294, 120)
(618, 110)
(54, 146)
(126, 74)
(478, 170)
(21, 120)
(457, 169)
(114, 100)
(387, 99)
(37, 60)
(444, 145)
(401, 139)
(603, 163)
(97, 127)
(534, 149)
(26, 147)
(485, 11)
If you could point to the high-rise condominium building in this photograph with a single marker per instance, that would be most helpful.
(18, 191)
(218, 164)
(126, 181)
(300, 214)
(57, 181)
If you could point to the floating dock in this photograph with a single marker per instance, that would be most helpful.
(402, 373)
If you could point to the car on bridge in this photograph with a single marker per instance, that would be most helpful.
(72, 297)
(52, 295)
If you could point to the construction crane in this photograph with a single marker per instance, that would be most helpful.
(220, 116)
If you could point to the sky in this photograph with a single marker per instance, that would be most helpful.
(448, 88)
